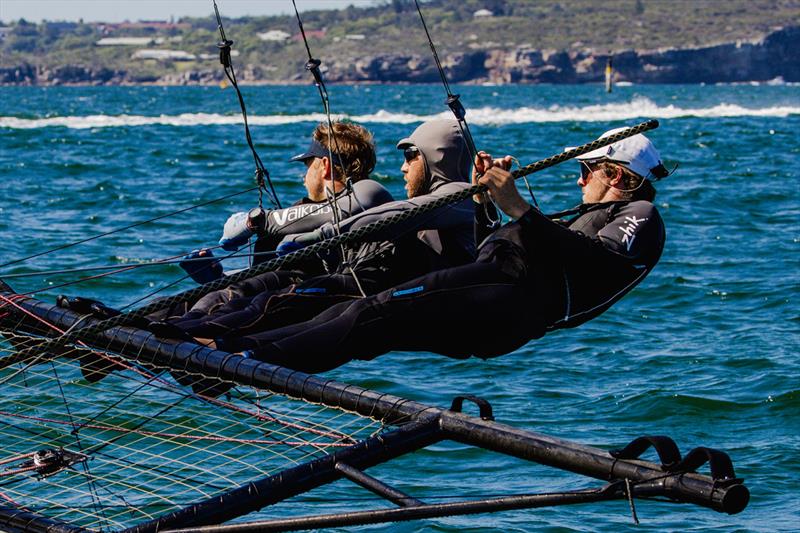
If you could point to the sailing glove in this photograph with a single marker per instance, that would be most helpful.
(236, 232)
(287, 247)
(202, 266)
(295, 241)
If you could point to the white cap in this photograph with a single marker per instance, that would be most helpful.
(636, 153)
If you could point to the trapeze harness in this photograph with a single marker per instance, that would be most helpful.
(532, 276)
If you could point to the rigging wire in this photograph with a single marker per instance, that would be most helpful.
(454, 103)
(172, 260)
(90, 479)
(154, 379)
(261, 172)
(224, 46)
(453, 100)
(87, 278)
(313, 66)
(129, 226)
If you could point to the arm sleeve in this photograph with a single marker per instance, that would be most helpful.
(304, 217)
(444, 217)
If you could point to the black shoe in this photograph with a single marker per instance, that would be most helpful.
(86, 306)
(167, 330)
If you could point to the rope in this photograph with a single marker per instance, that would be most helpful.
(164, 434)
(453, 101)
(154, 380)
(313, 66)
(261, 171)
(311, 251)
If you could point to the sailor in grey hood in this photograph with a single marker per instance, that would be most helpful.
(445, 154)
(437, 164)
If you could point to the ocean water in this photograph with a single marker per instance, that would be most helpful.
(705, 350)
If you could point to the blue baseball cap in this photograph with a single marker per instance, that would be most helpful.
(315, 149)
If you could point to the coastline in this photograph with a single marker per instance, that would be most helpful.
(773, 58)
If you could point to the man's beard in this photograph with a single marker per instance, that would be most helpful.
(416, 187)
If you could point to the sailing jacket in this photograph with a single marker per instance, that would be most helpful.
(306, 214)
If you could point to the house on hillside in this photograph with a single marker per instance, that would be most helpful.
(147, 26)
(151, 25)
(315, 34)
(163, 55)
(274, 36)
(124, 41)
(215, 57)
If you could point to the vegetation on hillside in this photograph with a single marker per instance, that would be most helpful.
(392, 26)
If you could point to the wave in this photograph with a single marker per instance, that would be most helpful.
(636, 108)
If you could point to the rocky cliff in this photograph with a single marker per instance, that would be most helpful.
(775, 56)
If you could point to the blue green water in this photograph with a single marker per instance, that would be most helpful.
(704, 350)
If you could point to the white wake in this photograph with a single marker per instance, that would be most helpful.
(636, 108)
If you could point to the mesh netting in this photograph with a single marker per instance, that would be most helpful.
(131, 443)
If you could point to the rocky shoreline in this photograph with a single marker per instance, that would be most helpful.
(776, 56)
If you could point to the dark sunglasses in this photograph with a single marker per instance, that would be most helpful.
(411, 153)
(586, 170)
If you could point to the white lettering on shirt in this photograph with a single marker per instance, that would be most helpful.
(295, 213)
(629, 230)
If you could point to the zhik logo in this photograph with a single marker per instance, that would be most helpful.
(629, 230)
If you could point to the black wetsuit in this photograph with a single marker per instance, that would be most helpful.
(531, 276)
(307, 215)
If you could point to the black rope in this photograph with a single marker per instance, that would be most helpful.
(357, 235)
(313, 66)
(261, 172)
(145, 420)
(173, 260)
(129, 226)
(173, 283)
(117, 270)
(453, 100)
(333, 145)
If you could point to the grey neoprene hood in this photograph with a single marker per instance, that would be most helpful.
(446, 155)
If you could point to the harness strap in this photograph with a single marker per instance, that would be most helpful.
(665, 447)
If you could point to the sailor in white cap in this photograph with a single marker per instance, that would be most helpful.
(617, 171)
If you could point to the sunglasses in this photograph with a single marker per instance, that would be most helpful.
(411, 153)
(586, 170)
